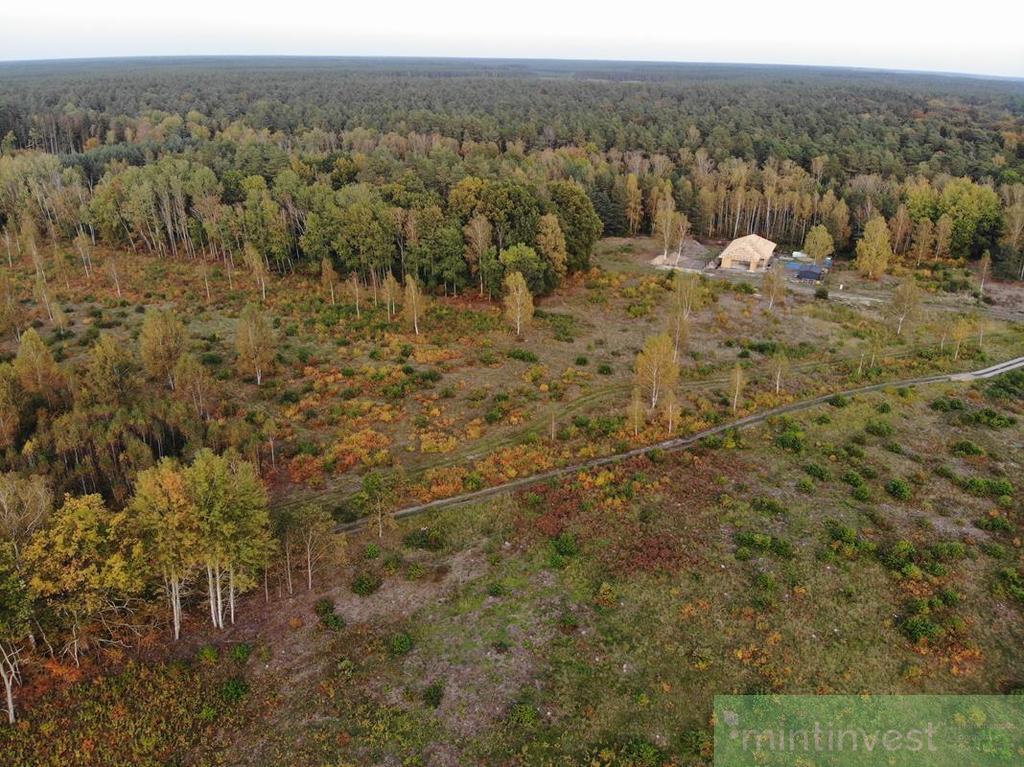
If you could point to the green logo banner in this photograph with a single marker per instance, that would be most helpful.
(869, 730)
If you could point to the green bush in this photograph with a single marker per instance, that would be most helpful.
(919, 627)
(581, 361)
(604, 369)
(332, 622)
(234, 689)
(767, 505)
(366, 583)
(523, 715)
(900, 489)
(240, 652)
(433, 693)
(399, 644)
(565, 544)
(523, 355)
(965, 447)
(372, 551)
(878, 428)
(818, 471)
(424, 538)
(208, 655)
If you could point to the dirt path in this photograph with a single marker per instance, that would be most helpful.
(679, 443)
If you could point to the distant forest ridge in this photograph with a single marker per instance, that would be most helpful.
(868, 121)
(586, 69)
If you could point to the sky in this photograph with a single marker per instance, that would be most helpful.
(979, 37)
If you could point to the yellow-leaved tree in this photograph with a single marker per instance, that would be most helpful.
(656, 368)
(518, 302)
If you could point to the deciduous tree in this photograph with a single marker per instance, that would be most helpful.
(167, 525)
(774, 285)
(873, 249)
(234, 526)
(656, 369)
(414, 305)
(161, 344)
(904, 304)
(818, 243)
(254, 341)
(518, 302)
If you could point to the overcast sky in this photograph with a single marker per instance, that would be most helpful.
(981, 36)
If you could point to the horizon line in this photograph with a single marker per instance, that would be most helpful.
(509, 59)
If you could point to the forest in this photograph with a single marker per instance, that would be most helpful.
(243, 301)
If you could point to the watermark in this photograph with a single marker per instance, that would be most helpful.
(869, 730)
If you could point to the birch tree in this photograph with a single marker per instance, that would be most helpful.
(257, 267)
(168, 527)
(737, 381)
(414, 304)
(328, 277)
(254, 342)
(391, 291)
(904, 304)
(636, 410)
(315, 529)
(15, 616)
(161, 343)
(234, 527)
(656, 370)
(518, 302)
(774, 285)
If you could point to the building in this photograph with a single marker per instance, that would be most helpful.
(751, 253)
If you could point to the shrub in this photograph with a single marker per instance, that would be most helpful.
(372, 551)
(900, 489)
(604, 369)
(852, 478)
(523, 355)
(332, 622)
(581, 361)
(1010, 582)
(523, 715)
(234, 689)
(207, 655)
(919, 627)
(565, 544)
(366, 583)
(424, 538)
(838, 400)
(995, 523)
(818, 471)
(240, 652)
(965, 447)
(821, 293)
(767, 505)
(399, 644)
(792, 439)
(878, 428)
(433, 693)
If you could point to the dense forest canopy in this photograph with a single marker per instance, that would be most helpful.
(869, 122)
(352, 158)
